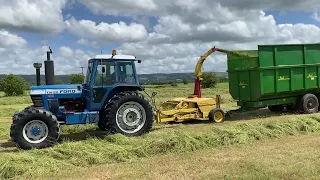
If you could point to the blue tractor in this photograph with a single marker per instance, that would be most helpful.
(109, 97)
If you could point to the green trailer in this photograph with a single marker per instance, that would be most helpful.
(277, 77)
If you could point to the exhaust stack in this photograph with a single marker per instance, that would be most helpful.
(37, 66)
(49, 69)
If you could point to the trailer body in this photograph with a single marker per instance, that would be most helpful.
(274, 74)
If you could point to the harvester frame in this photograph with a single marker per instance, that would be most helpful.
(194, 107)
(185, 109)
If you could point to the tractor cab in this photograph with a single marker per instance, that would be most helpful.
(106, 74)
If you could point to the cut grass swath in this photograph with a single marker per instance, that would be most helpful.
(118, 148)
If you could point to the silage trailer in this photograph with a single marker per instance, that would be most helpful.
(277, 77)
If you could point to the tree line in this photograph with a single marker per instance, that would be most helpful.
(13, 85)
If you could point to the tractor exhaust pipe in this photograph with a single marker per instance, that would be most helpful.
(37, 66)
(49, 69)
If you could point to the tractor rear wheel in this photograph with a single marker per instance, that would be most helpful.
(34, 128)
(128, 113)
(217, 115)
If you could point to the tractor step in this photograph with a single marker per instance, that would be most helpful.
(62, 122)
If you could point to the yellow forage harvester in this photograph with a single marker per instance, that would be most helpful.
(195, 107)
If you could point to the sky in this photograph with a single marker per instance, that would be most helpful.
(168, 36)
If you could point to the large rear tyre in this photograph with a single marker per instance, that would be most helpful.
(101, 123)
(35, 128)
(128, 113)
(101, 126)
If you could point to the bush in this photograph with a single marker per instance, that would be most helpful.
(210, 80)
(58, 81)
(173, 84)
(185, 81)
(13, 85)
(76, 79)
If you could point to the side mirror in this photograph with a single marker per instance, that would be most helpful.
(103, 69)
(139, 61)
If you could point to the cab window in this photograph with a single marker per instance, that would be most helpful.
(126, 73)
(105, 74)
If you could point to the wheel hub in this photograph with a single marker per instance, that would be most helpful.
(130, 117)
(35, 131)
(311, 103)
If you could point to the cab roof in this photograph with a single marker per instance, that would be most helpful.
(109, 56)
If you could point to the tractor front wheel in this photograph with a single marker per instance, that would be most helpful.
(34, 128)
(128, 113)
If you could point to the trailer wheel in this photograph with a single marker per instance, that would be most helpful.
(276, 108)
(217, 115)
(309, 103)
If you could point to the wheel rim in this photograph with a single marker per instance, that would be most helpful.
(311, 104)
(35, 131)
(131, 117)
(218, 116)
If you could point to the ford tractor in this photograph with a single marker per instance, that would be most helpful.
(109, 97)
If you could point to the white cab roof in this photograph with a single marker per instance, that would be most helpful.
(108, 56)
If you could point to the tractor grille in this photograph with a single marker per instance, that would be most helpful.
(37, 100)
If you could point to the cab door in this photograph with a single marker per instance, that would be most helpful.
(104, 81)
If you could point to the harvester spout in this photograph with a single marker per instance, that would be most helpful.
(198, 72)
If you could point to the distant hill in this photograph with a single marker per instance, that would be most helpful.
(143, 78)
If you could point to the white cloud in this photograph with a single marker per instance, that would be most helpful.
(286, 5)
(193, 9)
(20, 61)
(85, 42)
(169, 58)
(116, 32)
(120, 7)
(17, 58)
(316, 16)
(43, 16)
(8, 40)
(178, 48)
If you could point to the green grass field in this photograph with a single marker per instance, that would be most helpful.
(256, 145)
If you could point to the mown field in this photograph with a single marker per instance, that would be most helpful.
(256, 145)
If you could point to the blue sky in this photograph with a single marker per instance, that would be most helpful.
(168, 36)
(292, 17)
